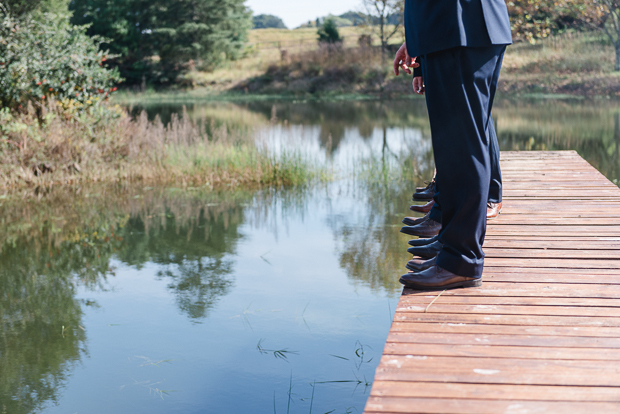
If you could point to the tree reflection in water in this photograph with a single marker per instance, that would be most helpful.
(52, 246)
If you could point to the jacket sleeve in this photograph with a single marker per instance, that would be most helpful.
(418, 71)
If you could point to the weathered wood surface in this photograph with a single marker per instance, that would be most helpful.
(542, 334)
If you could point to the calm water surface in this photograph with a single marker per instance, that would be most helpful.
(160, 300)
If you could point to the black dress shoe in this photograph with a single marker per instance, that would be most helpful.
(423, 208)
(428, 185)
(423, 242)
(436, 278)
(427, 194)
(417, 265)
(428, 251)
(412, 221)
(428, 228)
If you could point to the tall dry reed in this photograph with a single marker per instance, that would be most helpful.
(49, 147)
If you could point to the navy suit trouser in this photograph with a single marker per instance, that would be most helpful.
(460, 86)
(495, 187)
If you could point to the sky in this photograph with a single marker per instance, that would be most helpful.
(295, 12)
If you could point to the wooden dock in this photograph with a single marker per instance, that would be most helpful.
(542, 335)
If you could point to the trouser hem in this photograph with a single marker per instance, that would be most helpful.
(435, 214)
(458, 266)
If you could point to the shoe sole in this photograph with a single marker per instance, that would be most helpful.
(422, 197)
(417, 269)
(464, 284)
(422, 236)
(424, 256)
(420, 242)
(418, 210)
(412, 222)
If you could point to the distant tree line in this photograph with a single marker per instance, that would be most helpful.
(267, 21)
(352, 18)
(157, 40)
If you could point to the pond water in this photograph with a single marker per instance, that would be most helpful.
(161, 300)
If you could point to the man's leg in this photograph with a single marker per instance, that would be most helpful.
(460, 86)
(495, 190)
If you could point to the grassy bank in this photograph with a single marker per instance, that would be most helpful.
(578, 64)
(106, 145)
(288, 63)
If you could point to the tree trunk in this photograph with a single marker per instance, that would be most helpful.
(617, 67)
(383, 45)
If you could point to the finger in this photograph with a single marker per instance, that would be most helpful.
(418, 86)
(405, 68)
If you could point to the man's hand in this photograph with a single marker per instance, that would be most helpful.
(418, 85)
(404, 61)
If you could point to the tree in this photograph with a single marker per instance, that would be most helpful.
(268, 21)
(380, 14)
(19, 7)
(532, 20)
(605, 16)
(158, 39)
(328, 32)
(47, 58)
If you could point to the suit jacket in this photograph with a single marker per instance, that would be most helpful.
(434, 25)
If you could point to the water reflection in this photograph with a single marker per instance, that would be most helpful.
(52, 247)
(82, 241)
(36, 301)
(590, 128)
(189, 240)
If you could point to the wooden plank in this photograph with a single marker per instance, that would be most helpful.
(499, 370)
(559, 264)
(473, 309)
(543, 237)
(554, 244)
(519, 320)
(493, 391)
(427, 299)
(551, 253)
(535, 348)
(568, 290)
(392, 405)
(542, 334)
(511, 346)
(473, 328)
(549, 231)
(557, 221)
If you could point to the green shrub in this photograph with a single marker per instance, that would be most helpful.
(49, 58)
(328, 32)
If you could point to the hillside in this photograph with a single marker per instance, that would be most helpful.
(290, 62)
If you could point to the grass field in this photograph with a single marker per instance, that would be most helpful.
(265, 48)
(282, 62)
